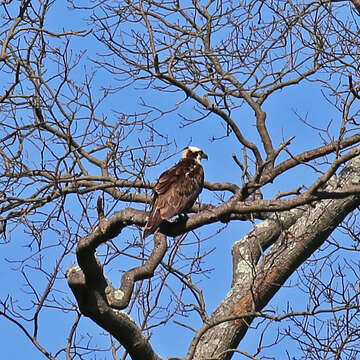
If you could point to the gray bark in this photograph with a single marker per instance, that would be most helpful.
(294, 236)
(290, 236)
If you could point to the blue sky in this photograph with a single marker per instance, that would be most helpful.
(305, 99)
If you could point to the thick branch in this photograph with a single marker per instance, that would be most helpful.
(297, 234)
(97, 297)
(92, 302)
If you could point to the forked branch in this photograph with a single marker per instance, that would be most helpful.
(96, 296)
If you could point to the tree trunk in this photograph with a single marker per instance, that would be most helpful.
(293, 236)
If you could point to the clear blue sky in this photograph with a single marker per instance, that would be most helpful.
(55, 324)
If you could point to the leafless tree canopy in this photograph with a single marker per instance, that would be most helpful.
(96, 98)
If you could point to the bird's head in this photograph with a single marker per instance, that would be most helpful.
(193, 152)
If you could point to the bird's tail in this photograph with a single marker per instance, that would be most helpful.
(153, 222)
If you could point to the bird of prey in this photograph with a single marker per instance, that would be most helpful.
(176, 189)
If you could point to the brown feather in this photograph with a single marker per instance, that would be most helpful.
(153, 223)
(175, 192)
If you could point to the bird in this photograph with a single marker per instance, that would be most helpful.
(176, 189)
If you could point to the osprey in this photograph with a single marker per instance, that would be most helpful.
(176, 189)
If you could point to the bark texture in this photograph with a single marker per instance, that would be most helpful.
(262, 261)
(294, 236)
(96, 296)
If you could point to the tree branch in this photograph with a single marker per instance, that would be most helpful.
(296, 235)
(96, 296)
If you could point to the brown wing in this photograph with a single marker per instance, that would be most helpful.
(168, 178)
(175, 191)
(153, 222)
(164, 183)
(178, 188)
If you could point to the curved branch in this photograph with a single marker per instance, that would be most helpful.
(96, 296)
(308, 156)
(120, 298)
(205, 102)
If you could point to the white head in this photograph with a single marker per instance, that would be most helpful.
(193, 152)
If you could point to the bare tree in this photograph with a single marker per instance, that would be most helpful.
(77, 163)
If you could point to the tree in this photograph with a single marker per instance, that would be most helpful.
(78, 154)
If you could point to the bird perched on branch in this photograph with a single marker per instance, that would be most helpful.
(176, 189)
